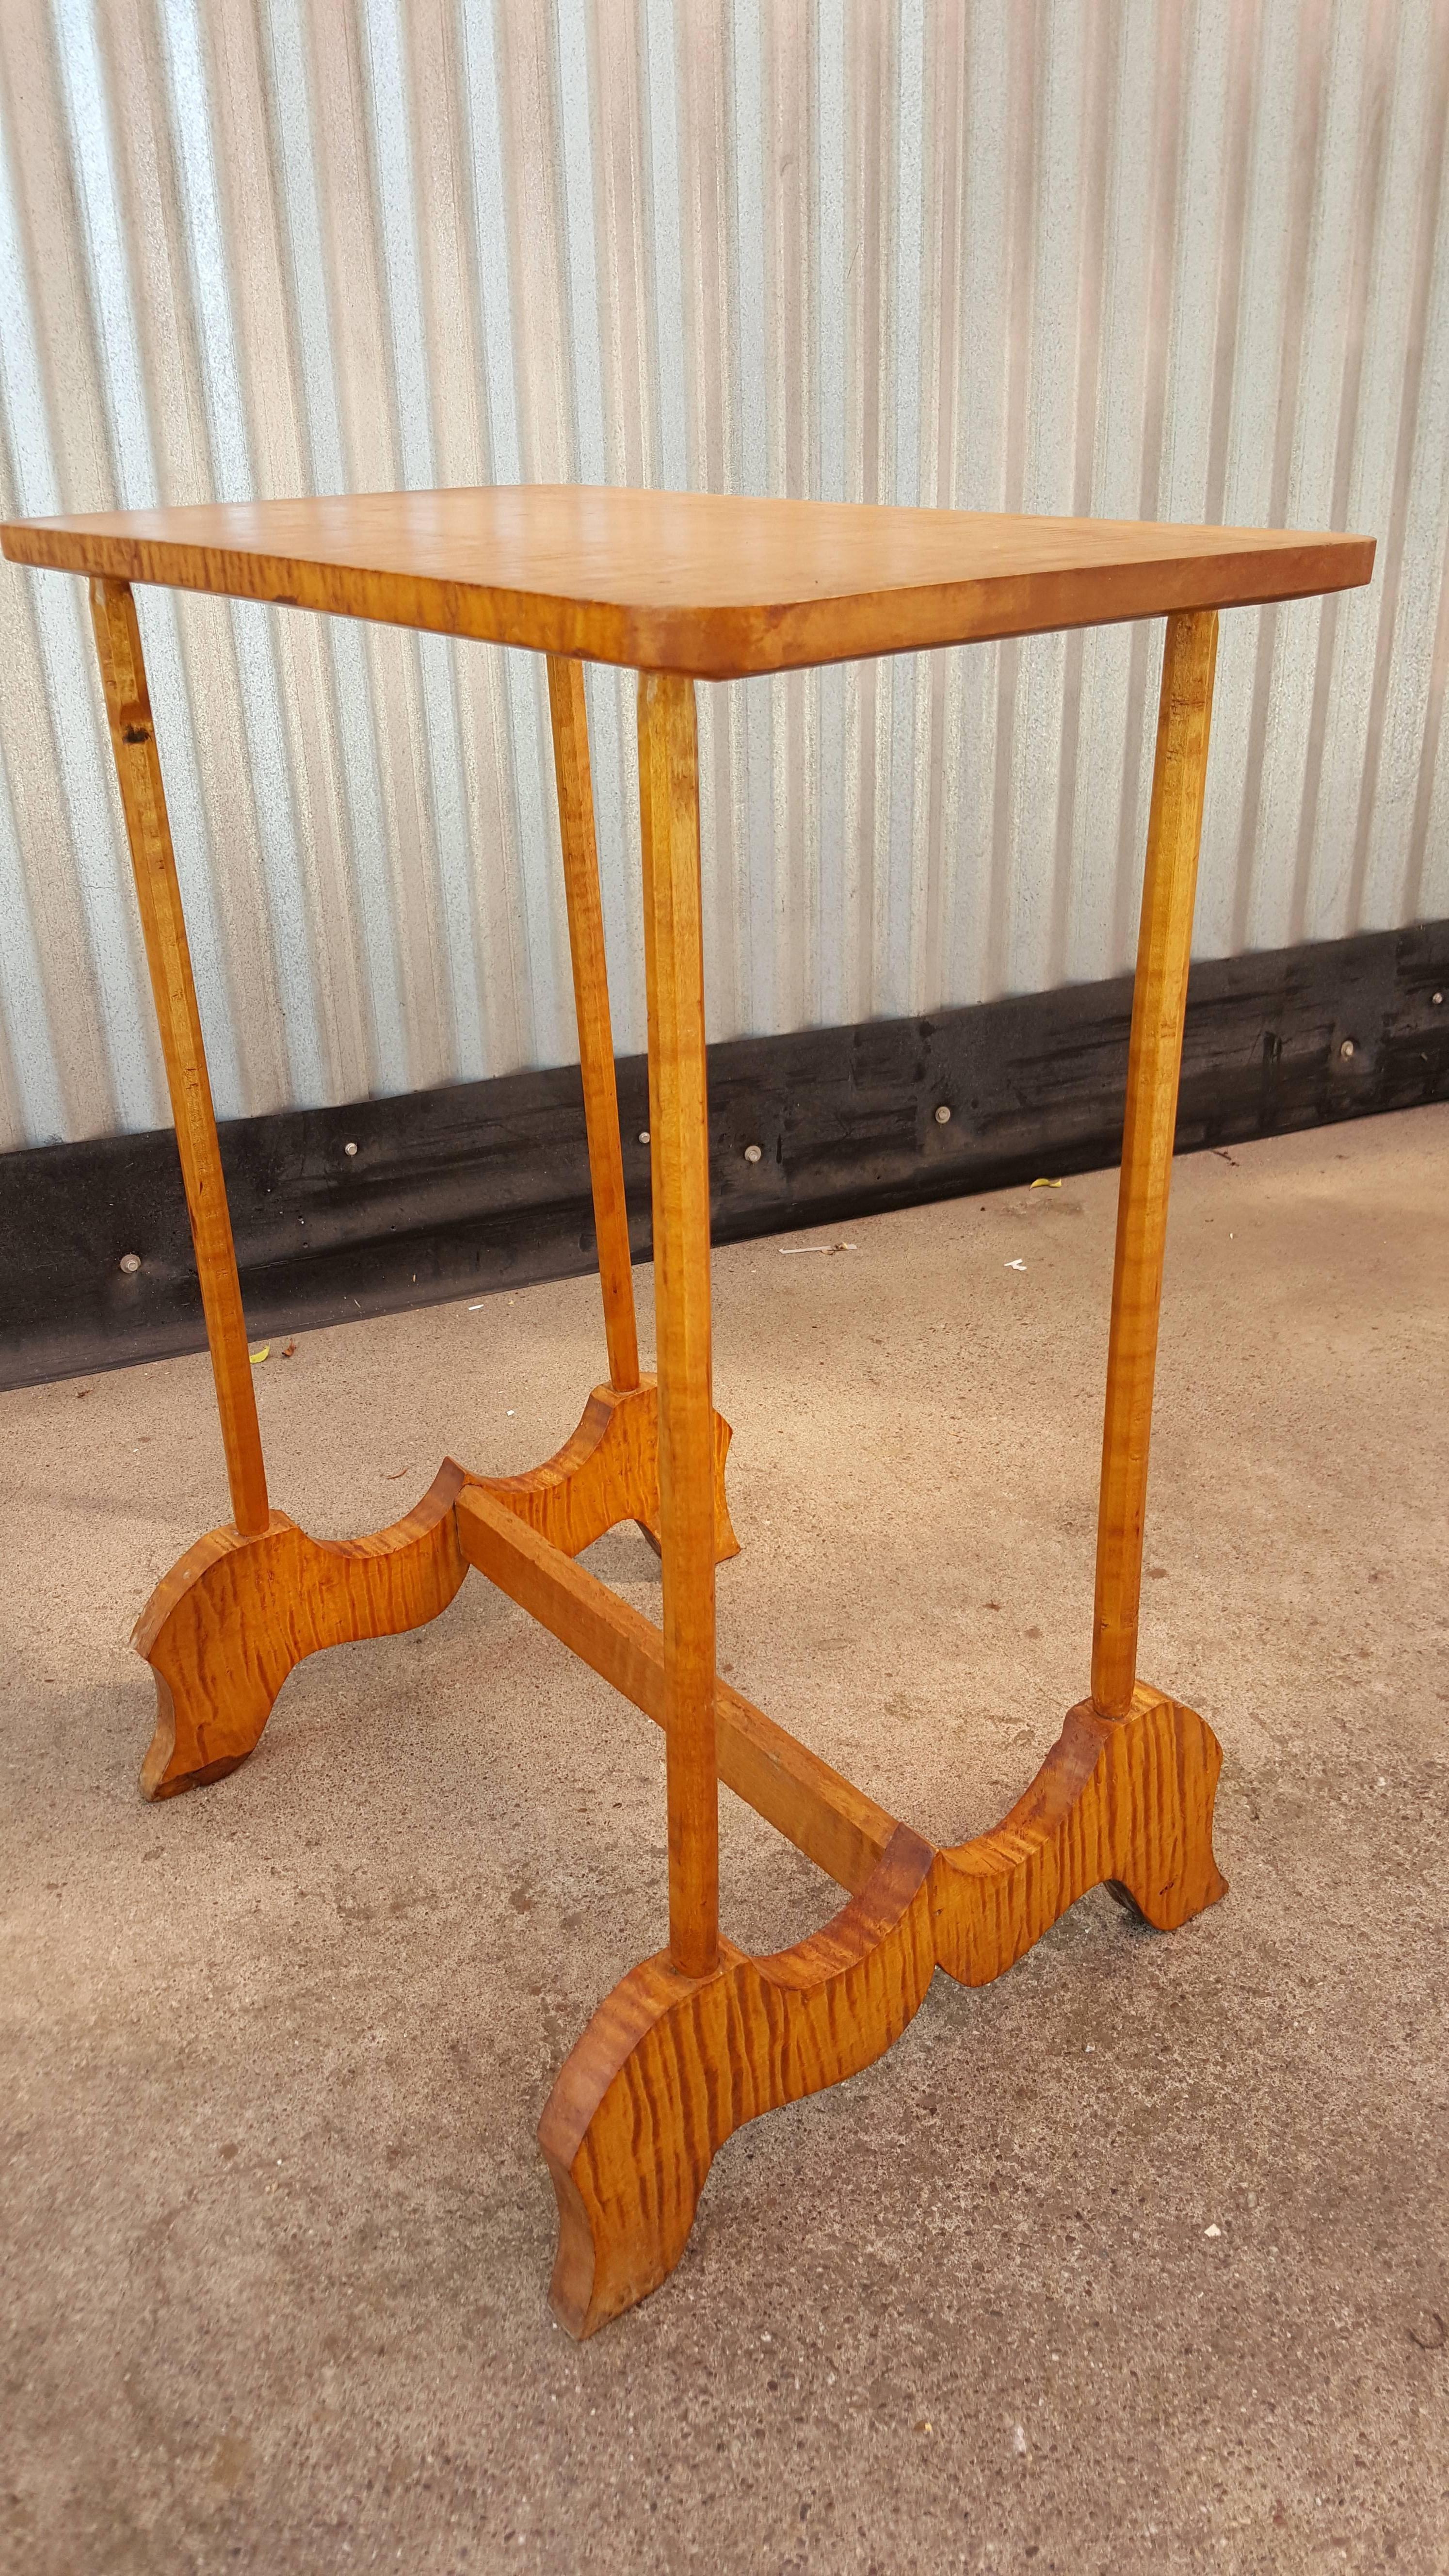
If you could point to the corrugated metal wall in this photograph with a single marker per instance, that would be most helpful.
(1176, 258)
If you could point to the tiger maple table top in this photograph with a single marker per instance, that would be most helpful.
(690, 581)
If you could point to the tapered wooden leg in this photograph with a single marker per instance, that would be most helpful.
(674, 967)
(143, 798)
(1154, 1064)
(569, 712)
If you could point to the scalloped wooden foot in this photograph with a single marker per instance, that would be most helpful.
(606, 1472)
(671, 2066)
(234, 1617)
(1122, 1801)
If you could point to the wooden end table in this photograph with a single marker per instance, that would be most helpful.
(684, 587)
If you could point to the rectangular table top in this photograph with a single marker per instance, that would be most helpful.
(691, 581)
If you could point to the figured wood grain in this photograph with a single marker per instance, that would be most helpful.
(704, 2038)
(570, 719)
(670, 2066)
(674, 982)
(827, 1818)
(236, 1614)
(608, 1471)
(696, 582)
(1125, 1802)
(168, 958)
(1154, 1065)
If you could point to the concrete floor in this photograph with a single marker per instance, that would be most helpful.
(1134, 2260)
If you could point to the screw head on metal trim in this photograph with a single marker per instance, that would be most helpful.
(943, 1116)
(349, 1149)
(1346, 1049)
(643, 1135)
(752, 1153)
(130, 1262)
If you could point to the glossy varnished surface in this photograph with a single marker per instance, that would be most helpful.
(679, 1182)
(591, 1007)
(671, 2065)
(168, 958)
(695, 2043)
(1154, 1066)
(689, 581)
(240, 1610)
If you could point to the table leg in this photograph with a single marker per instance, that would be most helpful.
(691, 2044)
(248, 1601)
(223, 1629)
(1153, 1068)
(674, 969)
(143, 798)
(569, 712)
(1126, 1795)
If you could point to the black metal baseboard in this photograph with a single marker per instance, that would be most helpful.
(486, 1185)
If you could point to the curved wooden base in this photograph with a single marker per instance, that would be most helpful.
(1124, 1802)
(670, 2066)
(607, 1472)
(224, 1628)
(235, 1615)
